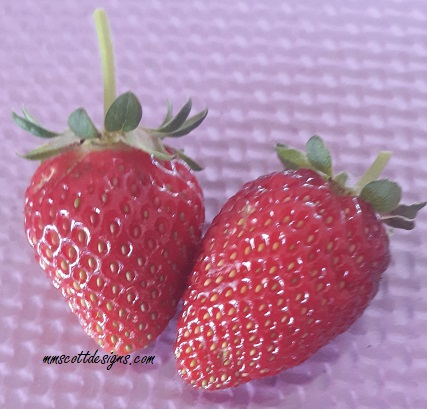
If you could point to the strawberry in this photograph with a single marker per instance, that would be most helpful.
(115, 216)
(289, 263)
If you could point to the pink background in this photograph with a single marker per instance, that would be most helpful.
(354, 72)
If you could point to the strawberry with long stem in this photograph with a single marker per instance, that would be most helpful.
(289, 263)
(115, 215)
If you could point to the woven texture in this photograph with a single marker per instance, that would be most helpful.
(353, 72)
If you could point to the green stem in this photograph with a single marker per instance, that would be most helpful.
(107, 57)
(374, 171)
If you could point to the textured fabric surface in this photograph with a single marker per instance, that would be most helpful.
(354, 72)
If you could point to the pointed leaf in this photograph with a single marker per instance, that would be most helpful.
(189, 124)
(190, 162)
(318, 155)
(80, 123)
(408, 211)
(139, 139)
(124, 114)
(54, 147)
(31, 118)
(176, 122)
(399, 223)
(292, 158)
(168, 116)
(341, 178)
(382, 194)
(29, 126)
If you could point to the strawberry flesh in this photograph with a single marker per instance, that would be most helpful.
(285, 267)
(116, 231)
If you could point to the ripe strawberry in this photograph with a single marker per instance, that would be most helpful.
(290, 262)
(114, 218)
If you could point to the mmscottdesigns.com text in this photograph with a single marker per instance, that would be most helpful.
(107, 359)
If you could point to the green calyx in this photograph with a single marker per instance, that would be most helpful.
(122, 118)
(382, 194)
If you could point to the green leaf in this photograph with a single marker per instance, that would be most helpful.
(318, 155)
(374, 171)
(80, 123)
(140, 139)
(341, 178)
(168, 116)
(54, 147)
(28, 116)
(35, 129)
(175, 123)
(292, 158)
(399, 223)
(189, 124)
(382, 194)
(403, 216)
(190, 162)
(124, 114)
(408, 211)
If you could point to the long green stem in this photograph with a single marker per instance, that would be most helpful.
(107, 57)
(375, 170)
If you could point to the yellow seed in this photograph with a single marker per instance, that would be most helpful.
(276, 245)
(206, 316)
(232, 311)
(114, 268)
(261, 247)
(214, 297)
(93, 297)
(207, 282)
(76, 203)
(98, 328)
(253, 352)
(218, 315)
(233, 255)
(149, 336)
(64, 266)
(197, 330)
(229, 293)
(219, 279)
(114, 339)
(193, 363)
(244, 289)
(272, 270)
(213, 347)
(329, 246)
(221, 263)
(310, 238)
(329, 220)
(186, 333)
(82, 275)
(129, 276)
(115, 289)
(249, 325)
(258, 288)
(124, 250)
(299, 296)
(241, 222)
(233, 273)
(208, 266)
(91, 262)
(76, 286)
(128, 348)
(109, 306)
(262, 307)
(291, 266)
(223, 377)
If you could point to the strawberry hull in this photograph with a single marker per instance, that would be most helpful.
(285, 267)
(116, 231)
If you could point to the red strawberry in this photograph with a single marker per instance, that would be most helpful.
(290, 262)
(114, 217)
